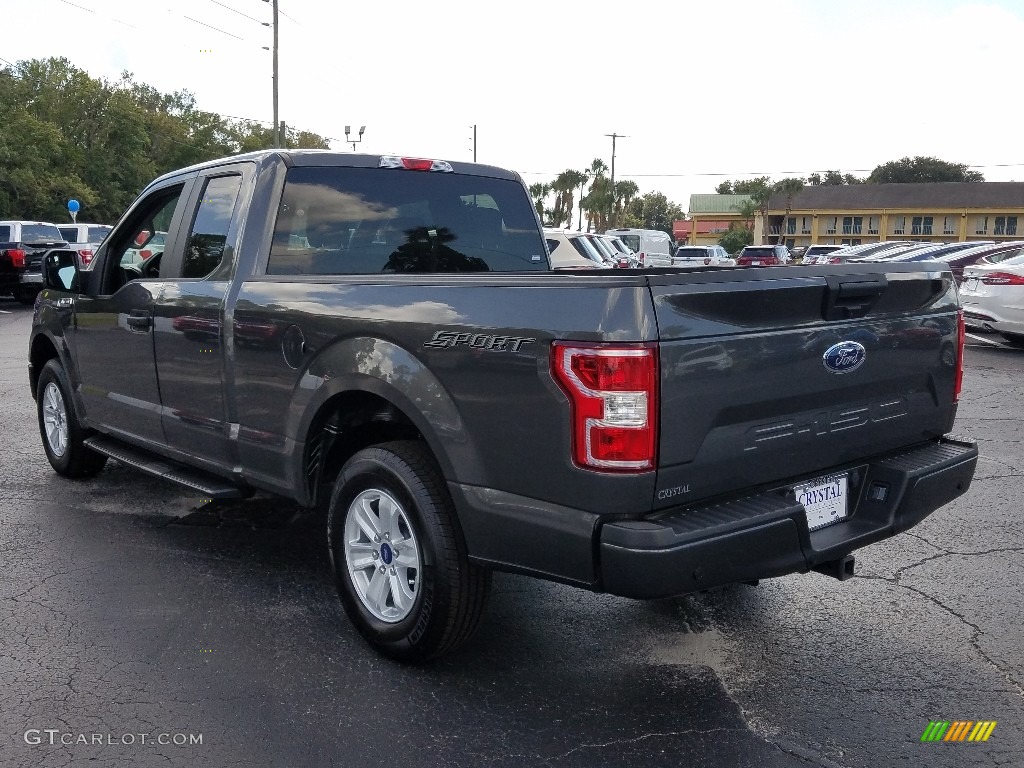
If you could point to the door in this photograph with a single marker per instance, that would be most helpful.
(191, 347)
(113, 330)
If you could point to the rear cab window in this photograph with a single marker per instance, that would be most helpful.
(340, 221)
(40, 233)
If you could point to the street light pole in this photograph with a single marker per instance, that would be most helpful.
(611, 212)
(350, 140)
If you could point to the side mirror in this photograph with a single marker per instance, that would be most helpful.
(60, 270)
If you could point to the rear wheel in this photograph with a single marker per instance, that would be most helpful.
(62, 433)
(398, 556)
(27, 297)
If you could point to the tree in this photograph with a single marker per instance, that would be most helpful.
(747, 209)
(655, 211)
(922, 169)
(744, 187)
(832, 179)
(789, 188)
(737, 237)
(539, 192)
(66, 134)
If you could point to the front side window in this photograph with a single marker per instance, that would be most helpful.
(139, 243)
(338, 221)
(206, 248)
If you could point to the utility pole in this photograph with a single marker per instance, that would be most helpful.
(611, 212)
(277, 123)
(474, 142)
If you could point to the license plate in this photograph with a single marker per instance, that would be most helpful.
(971, 284)
(755, 263)
(825, 500)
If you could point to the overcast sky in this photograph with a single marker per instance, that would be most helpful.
(703, 91)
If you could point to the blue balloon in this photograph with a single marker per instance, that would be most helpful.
(73, 206)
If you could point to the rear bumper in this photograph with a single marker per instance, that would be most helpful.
(684, 550)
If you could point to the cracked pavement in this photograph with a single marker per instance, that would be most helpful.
(128, 607)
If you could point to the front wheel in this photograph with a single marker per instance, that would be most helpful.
(63, 435)
(398, 555)
(1013, 339)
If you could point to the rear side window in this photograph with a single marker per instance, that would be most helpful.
(205, 250)
(343, 221)
(69, 233)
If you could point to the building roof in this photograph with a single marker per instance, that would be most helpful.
(701, 204)
(954, 194)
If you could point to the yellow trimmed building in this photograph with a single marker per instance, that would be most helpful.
(709, 217)
(865, 213)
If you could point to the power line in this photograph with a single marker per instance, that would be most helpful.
(738, 174)
(215, 29)
(235, 10)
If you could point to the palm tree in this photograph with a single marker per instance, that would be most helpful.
(566, 183)
(539, 191)
(625, 191)
(598, 195)
(747, 209)
(790, 188)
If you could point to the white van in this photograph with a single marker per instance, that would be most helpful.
(652, 246)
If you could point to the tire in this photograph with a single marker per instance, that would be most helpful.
(1013, 339)
(429, 599)
(59, 427)
(26, 297)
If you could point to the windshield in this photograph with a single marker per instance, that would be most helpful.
(586, 248)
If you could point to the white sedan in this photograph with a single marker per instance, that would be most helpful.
(993, 297)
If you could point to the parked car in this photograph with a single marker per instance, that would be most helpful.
(993, 297)
(927, 253)
(957, 261)
(84, 239)
(621, 247)
(149, 244)
(652, 246)
(848, 252)
(702, 256)
(567, 252)
(612, 254)
(22, 246)
(812, 253)
(763, 256)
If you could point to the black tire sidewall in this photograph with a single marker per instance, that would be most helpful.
(380, 468)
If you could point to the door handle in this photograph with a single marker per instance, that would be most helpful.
(139, 320)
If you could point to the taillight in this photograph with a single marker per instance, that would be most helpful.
(17, 257)
(643, 259)
(85, 256)
(613, 391)
(961, 334)
(1003, 278)
(145, 253)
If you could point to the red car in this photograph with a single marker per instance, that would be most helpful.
(763, 256)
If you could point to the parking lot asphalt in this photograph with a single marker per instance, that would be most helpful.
(130, 609)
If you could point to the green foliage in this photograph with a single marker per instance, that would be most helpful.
(921, 169)
(832, 179)
(654, 211)
(744, 187)
(65, 134)
(736, 238)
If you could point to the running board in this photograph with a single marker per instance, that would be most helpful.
(209, 485)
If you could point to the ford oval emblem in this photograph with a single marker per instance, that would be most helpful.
(844, 357)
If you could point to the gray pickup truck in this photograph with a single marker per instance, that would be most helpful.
(384, 336)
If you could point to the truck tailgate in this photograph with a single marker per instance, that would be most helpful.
(774, 374)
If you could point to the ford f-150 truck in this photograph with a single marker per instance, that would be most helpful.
(22, 245)
(384, 336)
